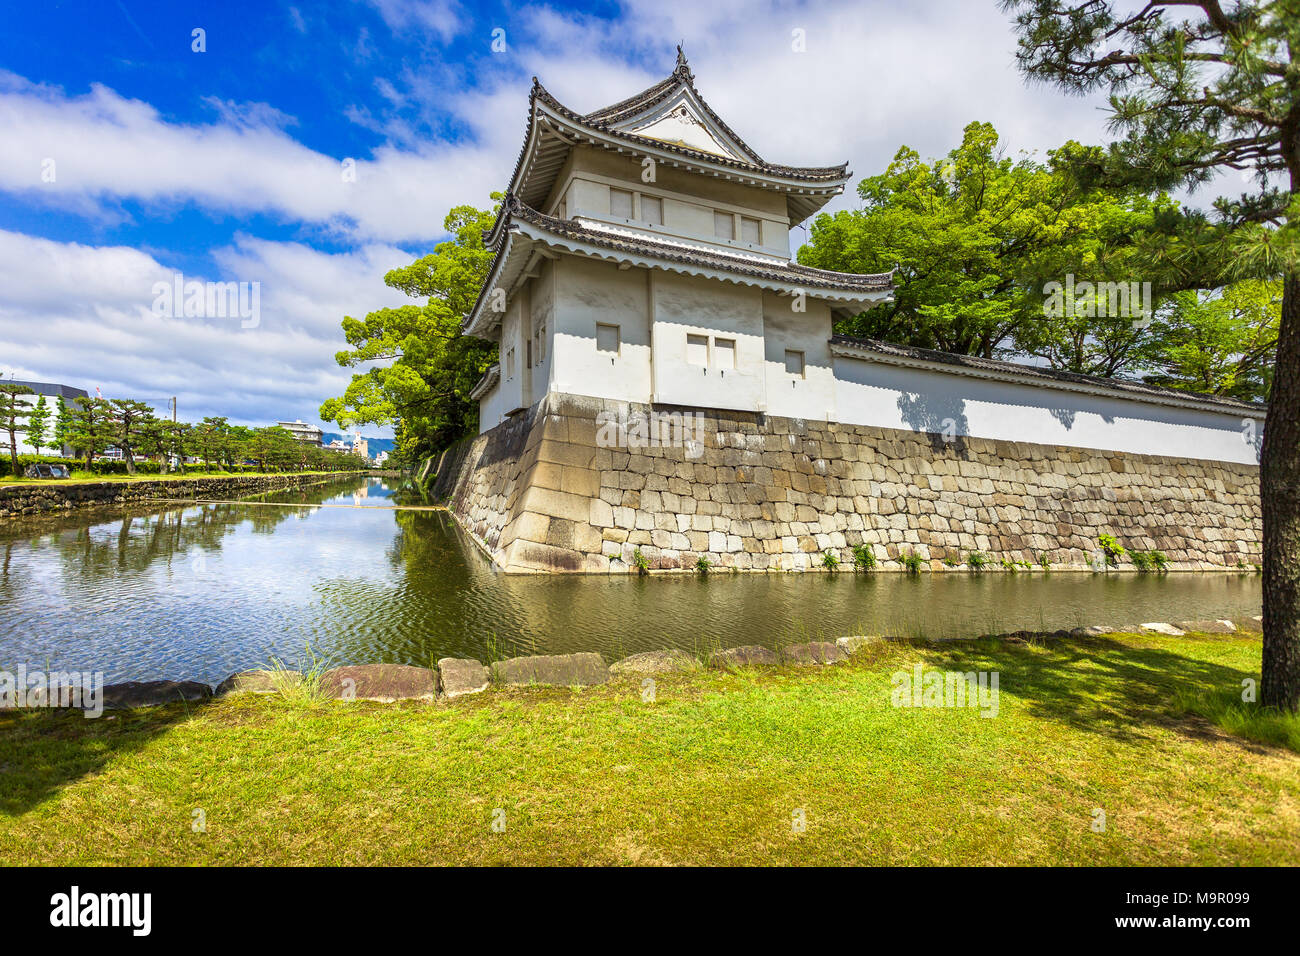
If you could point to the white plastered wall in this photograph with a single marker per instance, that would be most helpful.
(924, 400)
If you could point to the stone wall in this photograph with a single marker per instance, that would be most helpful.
(59, 496)
(545, 491)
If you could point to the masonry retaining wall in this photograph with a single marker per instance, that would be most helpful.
(58, 496)
(540, 493)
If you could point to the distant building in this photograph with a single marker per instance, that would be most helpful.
(360, 446)
(304, 432)
(339, 444)
(52, 392)
(381, 458)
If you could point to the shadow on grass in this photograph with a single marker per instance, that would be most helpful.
(1101, 685)
(42, 751)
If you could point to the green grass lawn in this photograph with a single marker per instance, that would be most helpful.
(713, 771)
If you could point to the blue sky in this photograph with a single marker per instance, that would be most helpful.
(226, 164)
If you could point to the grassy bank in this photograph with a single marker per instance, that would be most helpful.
(714, 770)
(86, 477)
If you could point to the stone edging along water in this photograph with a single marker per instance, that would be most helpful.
(52, 497)
(458, 677)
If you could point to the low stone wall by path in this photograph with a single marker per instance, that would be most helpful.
(53, 497)
(548, 491)
(458, 677)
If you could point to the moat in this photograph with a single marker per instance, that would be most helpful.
(334, 572)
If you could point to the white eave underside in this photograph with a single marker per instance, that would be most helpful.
(1028, 378)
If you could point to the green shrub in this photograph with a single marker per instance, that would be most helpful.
(864, 557)
(702, 564)
(1112, 549)
(977, 561)
(641, 562)
(1044, 562)
(1141, 560)
(829, 561)
(913, 562)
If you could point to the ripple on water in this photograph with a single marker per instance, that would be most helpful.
(209, 589)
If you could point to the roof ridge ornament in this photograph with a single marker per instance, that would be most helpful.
(682, 68)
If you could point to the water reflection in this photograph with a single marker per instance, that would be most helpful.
(204, 590)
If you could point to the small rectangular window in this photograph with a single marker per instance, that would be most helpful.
(652, 210)
(794, 362)
(607, 338)
(724, 353)
(724, 225)
(510, 363)
(749, 230)
(620, 203)
(697, 349)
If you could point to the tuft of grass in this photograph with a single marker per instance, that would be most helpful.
(913, 562)
(1044, 561)
(702, 564)
(302, 684)
(1225, 708)
(830, 562)
(641, 562)
(977, 561)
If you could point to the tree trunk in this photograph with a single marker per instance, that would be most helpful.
(13, 452)
(1279, 476)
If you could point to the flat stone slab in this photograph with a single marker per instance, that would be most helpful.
(1209, 627)
(552, 670)
(152, 693)
(814, 652)
(854, 643)
(1160, 627)
(458, 676)
(258, 682)
(1253, 625)
(381, 682)
(750, 655)
(671, 661)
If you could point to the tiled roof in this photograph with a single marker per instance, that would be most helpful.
(776, 270)
(1046, 376)
(610, 116)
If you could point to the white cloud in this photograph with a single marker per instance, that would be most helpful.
(81, 315)
(439, 17)
(106, 148)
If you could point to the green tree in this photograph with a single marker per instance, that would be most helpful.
(419, 367)
(975, 237)
(38, 425)
(90, 427)
(1199, 89)
(14, 413)
(210, 439)
(1221, 342)
(129, 420)
(62, 424)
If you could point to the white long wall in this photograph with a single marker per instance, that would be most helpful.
(655, 312)
(921, 400)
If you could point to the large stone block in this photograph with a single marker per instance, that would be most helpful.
(556, 670)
